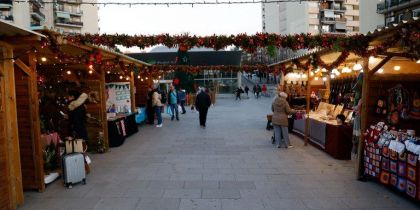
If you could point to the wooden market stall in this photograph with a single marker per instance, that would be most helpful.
(20, 149)
(317, 89)
(91, 68)
(389, 149)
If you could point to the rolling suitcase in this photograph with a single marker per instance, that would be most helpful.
(74, 168)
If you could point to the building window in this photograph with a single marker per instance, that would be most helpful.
(416, 13)
(313, 16)
(315, 27)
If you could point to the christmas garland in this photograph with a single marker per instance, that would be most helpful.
(197, 69)
(249, 43)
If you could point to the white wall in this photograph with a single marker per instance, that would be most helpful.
(21, 15)
(297, 18)
(369, 19)
(272, 18)
(90, 18)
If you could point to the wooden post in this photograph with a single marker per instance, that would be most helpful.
(12, 135)
(308, 106)
(102, 96)
(364, 116)
(36, 124)
(132, 92)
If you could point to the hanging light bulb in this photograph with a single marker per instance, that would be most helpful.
(346, 70)
(418, 61)
(68, 72)
(316, 78)
(357, 67)
(121, 77)
(332, 76)
(127, 78)
(90, 71)
(138, 77)
(381, 71)
(43, 59)
(108, 72)
(147, 78)
(397, 68)
(141, 79)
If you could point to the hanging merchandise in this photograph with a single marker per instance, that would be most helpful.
(381, 109)
(399, 104)
(415, 108)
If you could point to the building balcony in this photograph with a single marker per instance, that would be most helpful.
(6, 4)
(333, 20)
(395, 5)
(38, 15)
(69, 23)
(334, 32)
(70, 1)
(37, 3)
(7, 17)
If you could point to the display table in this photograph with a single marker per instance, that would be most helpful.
(336, 140)
(120, 127)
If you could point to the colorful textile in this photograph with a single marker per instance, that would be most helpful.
(385, 151)
(402, 169)
(412, 159)
(411, 189)
(393, 180)
(411, 173)
(393, 167)
(402, 184)
(385, 177)
(385, 164)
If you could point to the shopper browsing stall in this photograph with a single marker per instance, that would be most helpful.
(281, 110)
(77, 114)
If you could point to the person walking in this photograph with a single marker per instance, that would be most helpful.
(264, 90)
(157, 106)
(254, 90)
(149, 107)
(182, 97)
(173, 102)
(246, 90)
(258, 91)
(281, 110)
(238, 93)
(202, 104)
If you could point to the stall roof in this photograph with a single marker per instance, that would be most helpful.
(11, 30)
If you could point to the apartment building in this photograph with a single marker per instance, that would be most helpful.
(64, 16)
(327, 17)
(395, 11)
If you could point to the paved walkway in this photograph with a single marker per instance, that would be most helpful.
(230, 165)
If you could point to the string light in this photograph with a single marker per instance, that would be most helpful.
(397, 68)
(418, 61)
(90, 71)
(68, 72)
(43, 59)
(381, 71)
(316, 78)
(324, 79)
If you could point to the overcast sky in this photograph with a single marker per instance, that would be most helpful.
(199, 20)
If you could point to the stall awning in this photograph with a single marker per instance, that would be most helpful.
(9, 30)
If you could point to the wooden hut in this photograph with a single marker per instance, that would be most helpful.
(20, 152)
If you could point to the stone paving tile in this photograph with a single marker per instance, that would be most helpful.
(201, 185)
(243, 204)
(237, 185)
(201, 204)
(158, 204)
(182, 193)
(117, 203)
(221, 194)
(217, 168)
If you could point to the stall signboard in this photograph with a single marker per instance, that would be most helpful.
(118, 97)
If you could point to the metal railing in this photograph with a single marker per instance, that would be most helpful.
(77, 23)
(391, 4)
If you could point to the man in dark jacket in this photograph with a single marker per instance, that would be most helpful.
(182, 97)
(202, 104)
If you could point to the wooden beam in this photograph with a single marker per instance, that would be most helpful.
(24, 67)
(132, 92)
(12, 134)
(103, 118)
(377, 67)
(363, 118)
(308, 106)
(36, 125)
